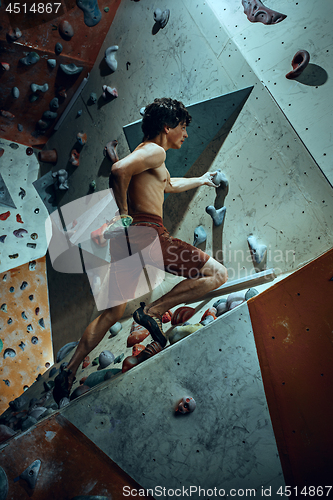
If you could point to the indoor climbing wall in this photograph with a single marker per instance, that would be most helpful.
(46, 52)
(25, 329)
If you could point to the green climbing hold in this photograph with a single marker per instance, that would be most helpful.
(1, 345)
(106, 9)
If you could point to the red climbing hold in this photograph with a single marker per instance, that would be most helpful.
(4, 216)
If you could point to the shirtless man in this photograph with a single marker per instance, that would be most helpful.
(139, 182)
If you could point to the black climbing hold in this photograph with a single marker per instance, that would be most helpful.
(22, 345)
(10, 321)
(31, 297)
(24, 285)
(41, 322)
(34, 340)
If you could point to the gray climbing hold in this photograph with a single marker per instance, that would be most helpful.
(58, 48)
(23, 315)
(217, 215)
(30, 59)
(119, 358)
(33, 97)
(110, 57)
(53, 371)
(252, 292)
(3, 483)
(93, 97)
(15, 92)
(37, 412)
(66, 29)
(54, 104)
(34, 340)
(96, 378)
(30, 475)
(19, 402)
(142, 111)
(52, 63)
(42, 125)
(9, 353)
(115, 329)
(220, 179)
(71, 69)
(199, 235)
(220, 306)
(20, 127)
(65, 350)
(161, 17)
(105, 358)
(49, 115)
(82, 389)
(258, 251)
(43, 88)
(91, 12)
(4, 308)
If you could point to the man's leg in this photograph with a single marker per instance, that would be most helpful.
(92, 336)
(213, 274)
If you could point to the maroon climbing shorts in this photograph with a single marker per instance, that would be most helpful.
(140, 255)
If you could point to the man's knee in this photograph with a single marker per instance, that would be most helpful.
(114, 314)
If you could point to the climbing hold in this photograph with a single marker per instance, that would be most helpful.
(148, 352)
(81, 138)
(136, 336)
(207, 320)
(252, 292)
(142, 111)
(53, 371)
(5, 433)
(66, 29)
(137, 348)
(41, 322)
(4, 307)
(91, 13)
(10, 321)
(31, 58)
(82, 389)
(6, 114)
(182, 314)
(62, 92)
(199, 236)
(22, 345)
(119, 358)
(220, 179)
(93, 97)
(20, 127)
(18, 403)
(37, 412)
(30, 475)
(109, 93)
(71, 69)
(220, 306)
(54, 104)
(256, 11)
(48, 156)
(161, 17)
(31, 297)
(115, 329)
(32, 265)
(105, 359)
(79, 113)
(235, 299)
(27, 423)
(110, 57)
(300, 61)
(61, 177)
(49, 115)
(209, 312)
(5, 215)
(186, 405)
(14, 34)
(110, 151)
(217, 215)
(15, 92)
(33, 97)
(19, 232)
(58, 48)
(34, 340)
(43, 88)
(2, 238)
(42, 125)
(52, 63)
(65, 350)
(166, 317)
(1, 152)
(22, 193)
(75, 158)
(182, 331)
(95, 361)
(30, 328)
(4, 66)
(24, 316)
(92, 187)
(19, 219)
(9, 353)
(86, 362)
(258, 251)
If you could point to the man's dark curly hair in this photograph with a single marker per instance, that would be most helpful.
(163, 111)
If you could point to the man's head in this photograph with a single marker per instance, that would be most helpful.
(163, 112)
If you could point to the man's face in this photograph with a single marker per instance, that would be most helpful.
(177, 135)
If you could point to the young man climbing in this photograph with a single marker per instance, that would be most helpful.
(139, 182)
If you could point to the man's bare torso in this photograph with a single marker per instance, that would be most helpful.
(146, 189)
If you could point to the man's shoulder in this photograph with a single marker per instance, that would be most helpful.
(152, 153)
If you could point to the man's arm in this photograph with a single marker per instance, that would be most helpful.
(145, 158)
(180, 184)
